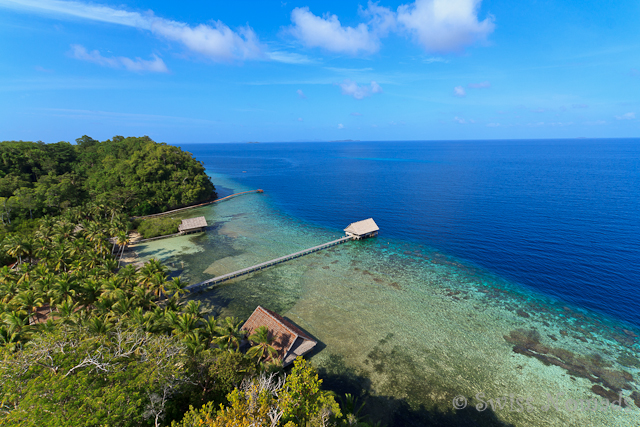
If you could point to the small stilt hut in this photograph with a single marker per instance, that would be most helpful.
(192, 225)
(362, 229)
(288, 340)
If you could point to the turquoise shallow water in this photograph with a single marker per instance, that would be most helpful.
(409, 325)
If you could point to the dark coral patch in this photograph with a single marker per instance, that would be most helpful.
(611, 396)
(522, 313)
(594, 368)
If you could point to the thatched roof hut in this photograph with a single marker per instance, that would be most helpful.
(192, 225)
(362, 229)
(288, 340)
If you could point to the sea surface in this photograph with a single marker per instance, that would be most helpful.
(503, 270)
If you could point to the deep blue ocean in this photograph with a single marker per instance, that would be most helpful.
(558, 217)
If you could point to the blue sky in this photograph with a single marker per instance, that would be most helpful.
(311, 71)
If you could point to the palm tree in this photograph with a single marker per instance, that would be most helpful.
(15, 321)
(127, 276)
(177, 287)
(195, 342)
(158, 284)
(18, 247)
(90, 291)
(143, 298)
(123, 305)
(30, 301)
(193, 307)
(209, 328)
(262, 348)
(64, 288)
(122, 239)
(229, 334)
(111, 290)
(185, 324)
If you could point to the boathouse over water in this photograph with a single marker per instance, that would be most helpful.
(362, 229)
(192, 225)
(288, 340)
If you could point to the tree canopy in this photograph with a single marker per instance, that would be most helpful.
(135, 173)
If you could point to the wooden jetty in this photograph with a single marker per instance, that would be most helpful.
(263, 265)
(259, 190)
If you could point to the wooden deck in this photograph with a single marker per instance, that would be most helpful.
(219, 279)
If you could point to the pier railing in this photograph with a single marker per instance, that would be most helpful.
(263, 265)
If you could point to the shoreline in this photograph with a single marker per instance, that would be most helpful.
(333, 295)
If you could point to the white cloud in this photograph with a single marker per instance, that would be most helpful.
(437, 25)
(493, 125)
(433, 59)
(481, 85)
(326, 32)
(288, 57)
(381, 19)
(444, 25)
(42, 69)
(627, 116)
(459, 91)
(459, 120)
(301, 94)
(340, 126)
(156, 65)
(351, 88)
(217, 41)
(300, 119)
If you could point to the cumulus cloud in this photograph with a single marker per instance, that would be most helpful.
(351, 88)
(436, 25)
(481, 85)
(300, 119)
(301, 94)
(444, 25)
(216, 41)
(340, 126)
(459, 120)
(328, 33)
(459, 91)
(627, 116)
(156, 65)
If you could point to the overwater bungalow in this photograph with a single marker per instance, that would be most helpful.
(362, 229)
(288, 340)
(192, 225)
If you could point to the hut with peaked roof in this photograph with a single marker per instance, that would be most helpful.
(288, 340)
(192, 225)
(362, 229)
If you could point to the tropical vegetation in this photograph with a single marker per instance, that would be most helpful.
(85, 340)
(136, 174)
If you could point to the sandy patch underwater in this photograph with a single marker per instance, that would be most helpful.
(411, 327)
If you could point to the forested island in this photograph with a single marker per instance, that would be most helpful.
(84, 341)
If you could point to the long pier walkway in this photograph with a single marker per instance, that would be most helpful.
(198, 205)
(263, 265)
